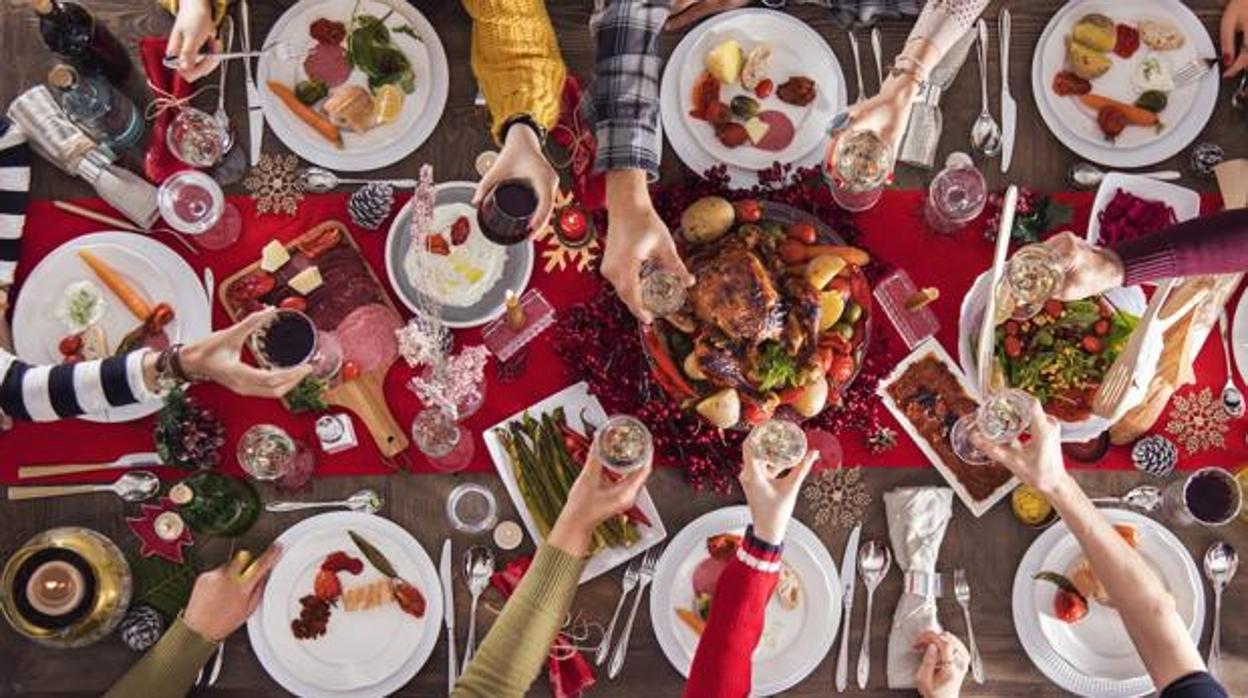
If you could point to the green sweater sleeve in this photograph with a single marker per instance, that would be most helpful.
(168, 669)
(516, 648)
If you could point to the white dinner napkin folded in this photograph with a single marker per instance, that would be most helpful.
(917, 517)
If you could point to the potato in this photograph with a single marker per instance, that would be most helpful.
(725, 60)
(1086, 62)
(831, 307)
(692, 369)
(812, 399)
(1095, 31)
(822, 269)
(707, 219)
(723, 409)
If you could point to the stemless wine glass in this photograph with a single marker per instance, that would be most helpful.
(446, 443)
(1031, 277)
(1210, 497)
(623, 444)
(859, 170)
(956, 195)
(471, 508)
(662, 291)
(196, 138)
(191, 202)
(779, 443)
(268, 454)
(1001, 418)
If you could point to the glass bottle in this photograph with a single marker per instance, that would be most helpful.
(104, 112)
(69, 29)
(215, 504)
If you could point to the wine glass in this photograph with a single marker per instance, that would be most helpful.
(268, 454)
(1031, 277)
(859, 170)
(779, 443)
(197, 138)
(623, 444)
(662, 291)
(291, 339)
(446, 443)
(191, 202)
(1001, 418)
(955, 197)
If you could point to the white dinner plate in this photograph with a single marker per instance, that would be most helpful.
(793, 54)
(149, 266)
(1239, 337)
(1184, 201)
(1094, 657)
(1188, 109)
(1130, 300)
(363, 653)
(382, 145)
(517, 270)
(793, 642)
(577, 402)
(676, 122)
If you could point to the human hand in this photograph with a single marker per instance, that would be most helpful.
(218, 358)
(635, 234)
(885, 114)
(595, 497)
(1234, 20)
(1038, 462)
(945, 660)
(771, 497)
(223, 598)
(1088, 269)
(522, 158)
(687, 12)
(192, 30)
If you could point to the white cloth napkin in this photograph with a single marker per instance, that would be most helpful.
(917, 517)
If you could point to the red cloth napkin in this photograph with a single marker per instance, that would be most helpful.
(159, 163)
(576, 136)
(569, 677)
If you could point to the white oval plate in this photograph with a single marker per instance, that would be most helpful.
(1095, 657)
(517, 271)
(1239, 337)
(364, 653)
(1075, 126)
(152, 268)
(793, 642)
(676, 121)
(1131, 300)
(379, 146)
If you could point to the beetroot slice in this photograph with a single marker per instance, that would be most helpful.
(779, 135)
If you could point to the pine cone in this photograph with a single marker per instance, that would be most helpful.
(187, 435)
(141, 628)
(371, 204)
(1155, 455)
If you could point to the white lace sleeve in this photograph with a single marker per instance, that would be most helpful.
(943, 22)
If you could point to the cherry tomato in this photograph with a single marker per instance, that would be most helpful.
(350, 370)
(1112, 121)
(1013, 347)
(326, 585)
(1011, 328)
(1068, 607)
(748, 210)
(438, 245)
(1101, 328)
(459, 230)
(71, 345)
(1091, 344)
(803, 232)
(842, 369)
(297, 303)
(1067, 83)
(1127, 40)
(1053, 308)
(764, 89)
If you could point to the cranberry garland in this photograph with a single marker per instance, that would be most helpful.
(600, 344)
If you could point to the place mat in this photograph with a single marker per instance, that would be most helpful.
(893, 231)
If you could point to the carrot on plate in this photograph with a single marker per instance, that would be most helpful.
(691, 619)
(1135, 115)
(135, 302)
(306, 114)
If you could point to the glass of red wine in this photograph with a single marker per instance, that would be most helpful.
(1209, 496)
(291, 340)
(505, 212)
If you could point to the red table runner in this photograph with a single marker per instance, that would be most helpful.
(893, 231)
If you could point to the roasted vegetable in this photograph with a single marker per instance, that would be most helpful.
(1152, 100)
(723, 409)
(311, 91)
(707, 219)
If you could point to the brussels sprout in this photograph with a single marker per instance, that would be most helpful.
(311, 91)
(1152, 100)
(744, 106)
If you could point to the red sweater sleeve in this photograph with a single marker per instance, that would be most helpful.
(722, 666)
(1216, 244)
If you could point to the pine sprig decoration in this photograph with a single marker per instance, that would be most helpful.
(188, 435)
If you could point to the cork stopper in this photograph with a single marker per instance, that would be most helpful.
(62, 77)
(42, 7)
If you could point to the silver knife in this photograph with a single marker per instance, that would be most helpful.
(1009, 108)
(255, 113)
(132, 460)
(853, 45)
(448, 609)
(849, 576)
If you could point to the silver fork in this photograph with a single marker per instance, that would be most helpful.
(962, 591)
(630, 583)
(282, 51)
(621, 648)
(1193, 70)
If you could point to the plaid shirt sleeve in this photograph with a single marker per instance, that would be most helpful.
(625, 95)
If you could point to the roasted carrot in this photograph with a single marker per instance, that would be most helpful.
(793, 251)
(691, 619)
(306, 114)
(117, 285)
(1135, 115)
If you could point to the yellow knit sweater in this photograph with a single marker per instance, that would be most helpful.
(515, 57)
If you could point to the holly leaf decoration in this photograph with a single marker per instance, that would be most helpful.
(374, 555)
(163, 585)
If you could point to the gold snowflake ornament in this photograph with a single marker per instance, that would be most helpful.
(274, 184)
(1198, 421)
(837, 496)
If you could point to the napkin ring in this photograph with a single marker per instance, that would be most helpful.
(922, 583)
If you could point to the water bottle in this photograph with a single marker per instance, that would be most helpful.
(105, 113)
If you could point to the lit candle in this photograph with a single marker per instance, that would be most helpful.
(55, 588)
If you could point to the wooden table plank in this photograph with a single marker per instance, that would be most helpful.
(26, 669)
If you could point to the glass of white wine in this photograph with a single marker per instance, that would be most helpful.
(623, 444)
(1032, 276)
(779, 443)
(1001, 418)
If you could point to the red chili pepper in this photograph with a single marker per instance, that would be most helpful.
(665, 370)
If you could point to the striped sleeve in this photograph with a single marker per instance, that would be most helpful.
(14, 196)
(48, 393)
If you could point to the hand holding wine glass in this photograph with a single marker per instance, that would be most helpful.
(218, 357)
(772, 497)
(522, 159)
(594, 498)
(1038, 463)
(1089, 269)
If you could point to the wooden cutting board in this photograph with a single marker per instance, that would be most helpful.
(364, 395)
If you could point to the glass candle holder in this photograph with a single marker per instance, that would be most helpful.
(623, 444)
(446, 443)
(955, 197)
(471, 508)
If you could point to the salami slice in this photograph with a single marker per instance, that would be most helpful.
(367, 336)
(328, 63)
(779, 134)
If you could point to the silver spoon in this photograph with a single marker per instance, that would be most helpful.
(478, 568)
(1221, 561)
(227, 41)
(365, 501)
(1085, 175)
(319, 180)
(134, 486)
(1145, 498)
(985, 132)
(1232, 399)
(874, 561)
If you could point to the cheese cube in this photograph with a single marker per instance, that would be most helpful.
(273, 256)
(756, 128)
(307, 281)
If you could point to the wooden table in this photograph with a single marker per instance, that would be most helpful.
(989, 548)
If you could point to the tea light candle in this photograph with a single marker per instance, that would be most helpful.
(508, 535)
(55, 588)
(169, 526)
